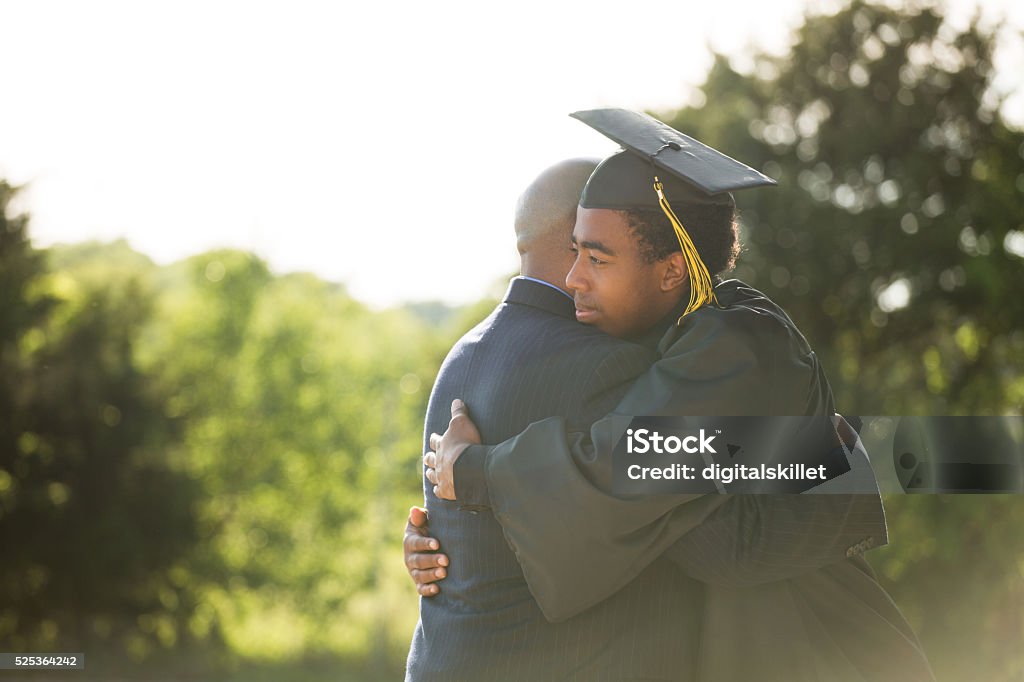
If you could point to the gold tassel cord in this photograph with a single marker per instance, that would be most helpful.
(701, 288)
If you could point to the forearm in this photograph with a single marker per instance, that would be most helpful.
(549, 479)
(559, 519)
(754, 539)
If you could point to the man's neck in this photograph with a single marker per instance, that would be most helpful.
(546, 283)
(652, 337)
(544, 269)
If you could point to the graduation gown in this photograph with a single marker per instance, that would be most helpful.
(788, 596)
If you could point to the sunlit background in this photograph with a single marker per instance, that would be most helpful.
(377, 144)
(237, 240)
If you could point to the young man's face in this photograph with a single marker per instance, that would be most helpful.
(614, 288)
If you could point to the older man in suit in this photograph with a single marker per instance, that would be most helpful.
(529, 360)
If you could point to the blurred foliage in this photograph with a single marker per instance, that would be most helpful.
(205, 458)
(205, 467)
(895, 239)
(91, 542)
(895, 236)
(956, 569)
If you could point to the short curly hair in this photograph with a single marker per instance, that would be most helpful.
(714, 230)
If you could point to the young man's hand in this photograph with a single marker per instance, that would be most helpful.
(440, 463)
(426, 565)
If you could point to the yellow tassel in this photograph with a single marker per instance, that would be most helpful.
(702, 290)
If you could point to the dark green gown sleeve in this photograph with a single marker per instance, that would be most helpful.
(578, 544)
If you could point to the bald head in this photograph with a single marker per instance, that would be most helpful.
(545, 215)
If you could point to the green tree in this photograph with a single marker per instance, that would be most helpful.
(894, 235)
(894, 240)
(94, 520)
(302, 414)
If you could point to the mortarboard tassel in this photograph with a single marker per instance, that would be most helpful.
(701, 288)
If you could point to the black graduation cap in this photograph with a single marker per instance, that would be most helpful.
(659, 167)
(690, 171)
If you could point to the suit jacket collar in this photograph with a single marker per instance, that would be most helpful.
(537, 295)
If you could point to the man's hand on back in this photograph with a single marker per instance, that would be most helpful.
(440, 463)
(426, 565)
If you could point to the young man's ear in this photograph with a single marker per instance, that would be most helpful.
(675, 274)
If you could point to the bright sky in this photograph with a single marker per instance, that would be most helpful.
(381, 145)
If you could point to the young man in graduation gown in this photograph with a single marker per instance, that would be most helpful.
(809, 607)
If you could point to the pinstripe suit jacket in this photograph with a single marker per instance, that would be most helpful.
(529, 360)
